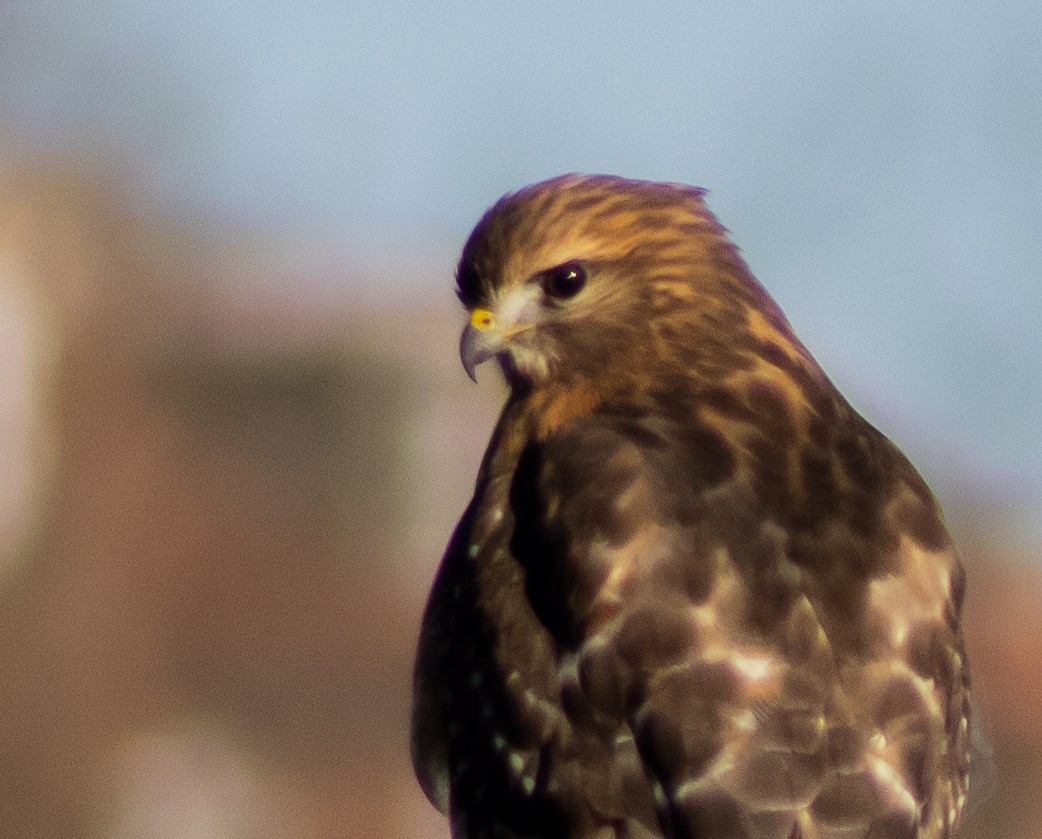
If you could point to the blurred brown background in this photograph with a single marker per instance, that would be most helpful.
(220, 515)
(219, 523)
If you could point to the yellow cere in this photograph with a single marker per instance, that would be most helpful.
(482, 319)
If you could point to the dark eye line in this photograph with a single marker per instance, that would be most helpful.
(468, 283)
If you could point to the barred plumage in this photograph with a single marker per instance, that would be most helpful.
(695, 594)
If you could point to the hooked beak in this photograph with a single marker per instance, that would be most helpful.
(481, 340)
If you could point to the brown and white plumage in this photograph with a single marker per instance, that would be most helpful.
(695, 593)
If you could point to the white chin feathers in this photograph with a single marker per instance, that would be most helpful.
(527, 363)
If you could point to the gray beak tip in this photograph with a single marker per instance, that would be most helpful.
(476, 347)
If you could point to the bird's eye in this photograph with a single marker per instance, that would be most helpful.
(564, 281)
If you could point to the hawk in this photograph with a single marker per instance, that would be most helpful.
(695, 594)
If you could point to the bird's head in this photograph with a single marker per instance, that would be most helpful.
(602, 278)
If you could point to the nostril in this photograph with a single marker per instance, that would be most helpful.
(482, 319)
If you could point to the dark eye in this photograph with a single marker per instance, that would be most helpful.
(565, 280)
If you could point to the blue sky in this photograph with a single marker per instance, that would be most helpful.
(880, 164)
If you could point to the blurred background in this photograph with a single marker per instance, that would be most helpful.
(234, 434)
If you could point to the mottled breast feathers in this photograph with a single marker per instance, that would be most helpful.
(695, 594)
